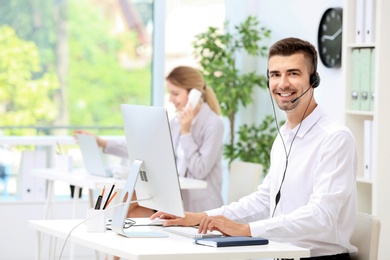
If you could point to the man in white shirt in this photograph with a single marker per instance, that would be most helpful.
(309, 196)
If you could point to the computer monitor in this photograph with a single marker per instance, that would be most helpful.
(153, 172)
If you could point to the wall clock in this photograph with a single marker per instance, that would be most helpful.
(329, 37)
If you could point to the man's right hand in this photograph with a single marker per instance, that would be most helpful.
(190, 219)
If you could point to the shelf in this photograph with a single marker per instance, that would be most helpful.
(361, 45)
(372, 193)
(360, 113)
(363, 180)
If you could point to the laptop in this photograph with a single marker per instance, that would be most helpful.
(92, 156)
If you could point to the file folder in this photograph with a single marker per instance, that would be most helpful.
(365, 79)
(369, 23)
(368, 149)
(359, 21)
(372, 79)
(355, 80)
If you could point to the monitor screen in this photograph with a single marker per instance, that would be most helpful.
(153, 172)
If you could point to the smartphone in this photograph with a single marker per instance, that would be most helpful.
(193, 98)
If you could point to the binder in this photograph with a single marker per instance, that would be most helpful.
(31, 188)
(359, 21)
(369, 23)
(355, 80)
(231, 241)
(372, 79)
(368, 149)
(365, 79)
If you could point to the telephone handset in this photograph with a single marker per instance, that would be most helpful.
(193, 98)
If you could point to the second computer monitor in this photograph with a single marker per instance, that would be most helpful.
(154, 174)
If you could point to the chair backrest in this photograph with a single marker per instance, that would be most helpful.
(366, 237)
(244, 177)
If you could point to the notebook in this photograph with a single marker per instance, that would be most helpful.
(191, 232)
(231, 241)
(92, 156)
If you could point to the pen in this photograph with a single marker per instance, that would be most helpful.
(98, 202)
(59, 150)
(108, 197)
(104, 188)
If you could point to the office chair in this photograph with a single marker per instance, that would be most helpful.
(244, 177)
(366, 237)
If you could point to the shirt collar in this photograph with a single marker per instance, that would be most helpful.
(305, 125)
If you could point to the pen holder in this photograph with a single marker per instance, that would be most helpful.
(64, 162)
(96, 220)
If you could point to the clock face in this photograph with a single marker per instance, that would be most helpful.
(329, 37)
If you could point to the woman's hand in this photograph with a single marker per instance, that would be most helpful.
(185, 118)
(101, 142)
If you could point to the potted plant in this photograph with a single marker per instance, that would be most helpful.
(217, 50)
(254, 143)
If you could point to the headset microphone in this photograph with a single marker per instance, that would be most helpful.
(295, 99)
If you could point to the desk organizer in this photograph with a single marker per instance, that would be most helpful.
(96, 220)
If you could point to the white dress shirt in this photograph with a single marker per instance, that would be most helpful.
(317, 208)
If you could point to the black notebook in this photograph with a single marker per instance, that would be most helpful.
(231, 241)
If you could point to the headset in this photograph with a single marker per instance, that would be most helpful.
(314, 82)
(314, 77)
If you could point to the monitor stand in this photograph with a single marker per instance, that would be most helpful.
(120, 213)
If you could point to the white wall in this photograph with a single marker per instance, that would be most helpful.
(292, 18)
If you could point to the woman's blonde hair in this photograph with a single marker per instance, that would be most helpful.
(189, 78)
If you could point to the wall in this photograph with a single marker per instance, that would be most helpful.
(294, 18)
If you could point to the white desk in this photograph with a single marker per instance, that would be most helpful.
(80, 179)
(174, 247)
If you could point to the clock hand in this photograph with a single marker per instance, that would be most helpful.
(332, 37)
(337, 33)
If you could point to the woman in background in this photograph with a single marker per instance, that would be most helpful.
(197, 140)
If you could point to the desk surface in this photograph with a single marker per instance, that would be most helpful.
(173, 247)
(80, 178)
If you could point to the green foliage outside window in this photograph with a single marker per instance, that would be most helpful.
(98, 82)
(76, 48)
(24, 100)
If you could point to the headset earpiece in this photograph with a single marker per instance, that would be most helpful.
(315, 77)
(315, 80)
(267, 78)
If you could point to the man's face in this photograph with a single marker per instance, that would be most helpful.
(289, 77)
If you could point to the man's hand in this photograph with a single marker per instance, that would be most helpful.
(224, 225)
(190, 219)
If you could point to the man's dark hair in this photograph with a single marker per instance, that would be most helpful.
(290, 46)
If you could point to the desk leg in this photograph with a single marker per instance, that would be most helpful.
(49, 197)
(38, 246)
(91, 205)
(76, 199)
(71, 251)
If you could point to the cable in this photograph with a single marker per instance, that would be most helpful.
(278, 194)
(103, 211)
